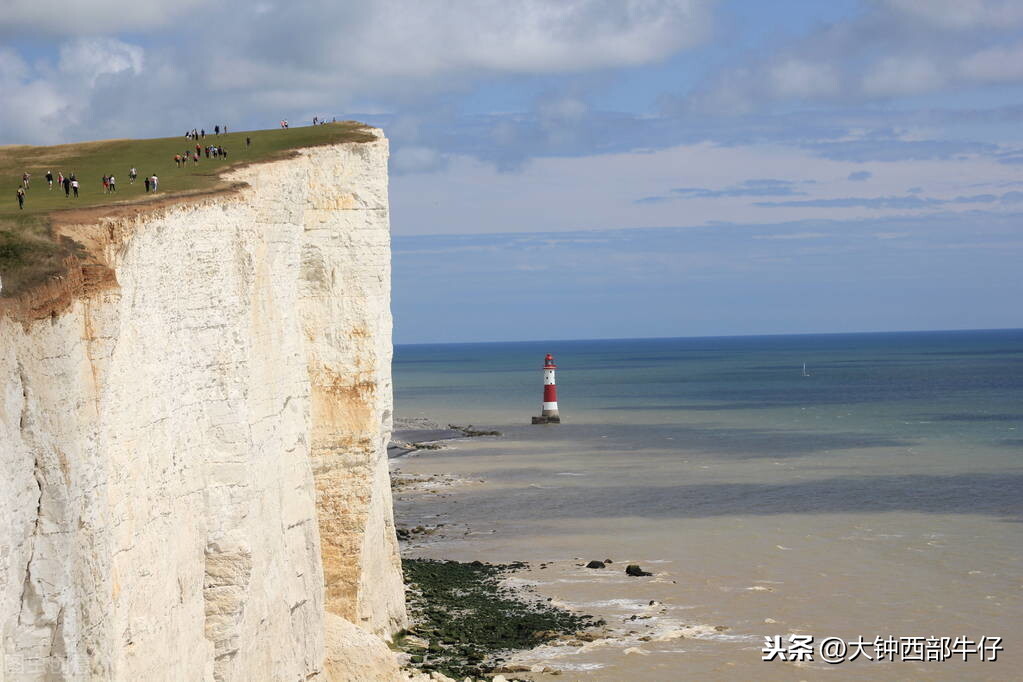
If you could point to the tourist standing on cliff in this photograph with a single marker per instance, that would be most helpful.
(67, 187)
(147, 183)
(112, 183)
(106, 185)
(248, 141)
(154, 182)
(25, 177)
(132, 174)
(49, 179)
(74, 187)
(21, 198)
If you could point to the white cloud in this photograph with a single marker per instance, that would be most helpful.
(562, 108)
(894, 48)
(386, 45)
(92, 17)
(903, 76)
(962, 14)
(32, 108)
(601, 191)
(415, 159)
(1003, 63)
(798, 236)
(90, 58)
(397, 38)
(799, 78)
(741, 89)
(12, 67)
(237, 59)
(96, 87)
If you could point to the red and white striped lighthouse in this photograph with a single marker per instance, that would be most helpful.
(549, 412)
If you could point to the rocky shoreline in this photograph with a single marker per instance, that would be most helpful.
(467, 620)
(414, 435)
(476, 620)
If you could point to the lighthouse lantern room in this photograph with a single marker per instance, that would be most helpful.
(549, 411)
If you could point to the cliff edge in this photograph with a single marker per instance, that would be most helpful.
(195, 452)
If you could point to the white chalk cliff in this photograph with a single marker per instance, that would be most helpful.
(194, 463)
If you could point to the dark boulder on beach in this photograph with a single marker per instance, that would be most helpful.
(635, 571)
(595, 564)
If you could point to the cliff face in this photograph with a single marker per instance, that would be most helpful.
(194, 459)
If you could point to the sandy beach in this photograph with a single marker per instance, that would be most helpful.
(720, 584)
(876, 500)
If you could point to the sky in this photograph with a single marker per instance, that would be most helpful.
(604, 168)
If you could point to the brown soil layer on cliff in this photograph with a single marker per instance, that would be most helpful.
(38, 257)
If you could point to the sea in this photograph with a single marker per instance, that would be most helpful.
(870, 505)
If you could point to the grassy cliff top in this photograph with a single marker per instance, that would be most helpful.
(29, 251)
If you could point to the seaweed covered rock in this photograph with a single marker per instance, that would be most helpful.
(471, 619)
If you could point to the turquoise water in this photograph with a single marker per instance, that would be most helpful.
(942, 408)
(890, 389)
(882, 494)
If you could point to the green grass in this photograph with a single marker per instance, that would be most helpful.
(29, 253)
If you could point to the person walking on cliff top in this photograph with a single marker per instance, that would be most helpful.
(67, 187)
(49, 180)
(216, 129)
(248, 141)
(21, 198)
(74, 187)
(147, 184)
(106, 185)
(154, 182)
(112, 183)
(25, 177)
(132, 174)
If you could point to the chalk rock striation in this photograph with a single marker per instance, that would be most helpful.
(195, 479)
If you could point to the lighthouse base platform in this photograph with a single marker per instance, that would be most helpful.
(546, 420)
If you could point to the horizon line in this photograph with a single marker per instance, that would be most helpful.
(716, 336)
